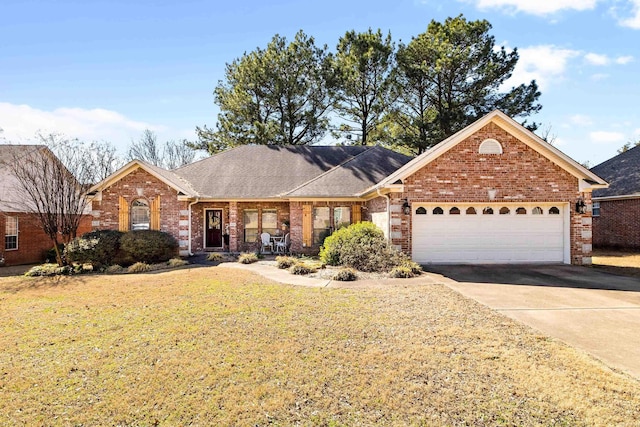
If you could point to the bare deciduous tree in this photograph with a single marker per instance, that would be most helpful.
(171, 156)
(52, 179)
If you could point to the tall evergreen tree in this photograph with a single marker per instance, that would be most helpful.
(278, 95)
(364, 62)
(450, 76)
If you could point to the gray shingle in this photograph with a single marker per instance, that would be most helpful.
(622, 172)
(263, 171)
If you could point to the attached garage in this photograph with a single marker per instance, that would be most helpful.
(490, 233)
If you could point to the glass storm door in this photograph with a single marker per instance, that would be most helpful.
(213, 228)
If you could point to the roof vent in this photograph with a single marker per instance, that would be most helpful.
(490, 146)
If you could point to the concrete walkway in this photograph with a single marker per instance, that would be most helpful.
(602, 320)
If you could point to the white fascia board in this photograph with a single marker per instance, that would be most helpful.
(623, 197)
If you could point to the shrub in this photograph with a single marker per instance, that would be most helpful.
(177, 262)
(139, 267)
(345, 275)
(214, 256)
(361, 246)
(285, 262)
(48, 270)
(98, 248)
(247, 258)
(148, 246)
(50, 254)
(415, 268)
(301, 269)
(401, 273)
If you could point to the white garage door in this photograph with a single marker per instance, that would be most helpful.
(489, 234)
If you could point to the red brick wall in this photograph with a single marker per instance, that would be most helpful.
(518, 174)
(618, 225)
(174, 214)
(32, 241)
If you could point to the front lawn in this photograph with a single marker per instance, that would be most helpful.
(626, 263)
(220, 346)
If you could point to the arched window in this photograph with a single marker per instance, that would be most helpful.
(487, 211)
(140, 215)
(521, 211)
(504, 211)
(421, 211)
(554, 211)
(490, 146)
(537, 210)
(454, 211)
(438, 211)
(471, 211)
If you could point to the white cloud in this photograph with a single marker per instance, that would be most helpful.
(539, 7)
(634, 20)
(597, 59)
(544, 64)
(20, 123)
(604, 137)
(623, 60)
(581, 120)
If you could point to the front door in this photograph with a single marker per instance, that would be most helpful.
(213, 228)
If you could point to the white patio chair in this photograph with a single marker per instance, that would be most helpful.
(283, 245)
(266, 242)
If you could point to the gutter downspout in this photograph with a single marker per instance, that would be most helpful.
(191, 204)
(386, 196)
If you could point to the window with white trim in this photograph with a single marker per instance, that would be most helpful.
(321, 224)
(11, 233)
(341, 217)
(595, 209)
(270, 221)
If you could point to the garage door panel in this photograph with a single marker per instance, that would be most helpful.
(493, 238)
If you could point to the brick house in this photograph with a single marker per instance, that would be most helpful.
(24, 240)
(616, 210)
(492, 193)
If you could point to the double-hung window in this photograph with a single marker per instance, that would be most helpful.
(11, 233)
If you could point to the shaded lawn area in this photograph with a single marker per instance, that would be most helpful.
(219, 346)
(625, 263)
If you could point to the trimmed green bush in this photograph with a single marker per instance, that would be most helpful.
(401, 273)
(139, 267)
(345, 275)
(301, 269)
(284, 262)
(361, 246)
(247, 258)
(415, 268)
(148, 246)
(100, 247)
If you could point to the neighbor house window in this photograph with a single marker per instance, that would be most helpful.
(341, 217)
(140, 215)
(250, 220)
(11, 233)
(270, 221)
(321, 224)
(595, 209)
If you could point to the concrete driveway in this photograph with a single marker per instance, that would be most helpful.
(588, 309)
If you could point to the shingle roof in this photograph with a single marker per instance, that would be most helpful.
(264, 171)
(11, 199)
(622, 172)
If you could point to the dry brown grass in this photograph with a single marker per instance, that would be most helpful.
(219, 346)
(618, 262)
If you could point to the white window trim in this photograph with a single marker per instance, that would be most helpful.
(12, 235)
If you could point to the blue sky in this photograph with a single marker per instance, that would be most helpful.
(106, 70)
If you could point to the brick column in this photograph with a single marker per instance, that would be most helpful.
(233, 226)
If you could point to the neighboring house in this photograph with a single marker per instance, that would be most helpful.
(616, 210)
(492, 193)
(24, 240)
